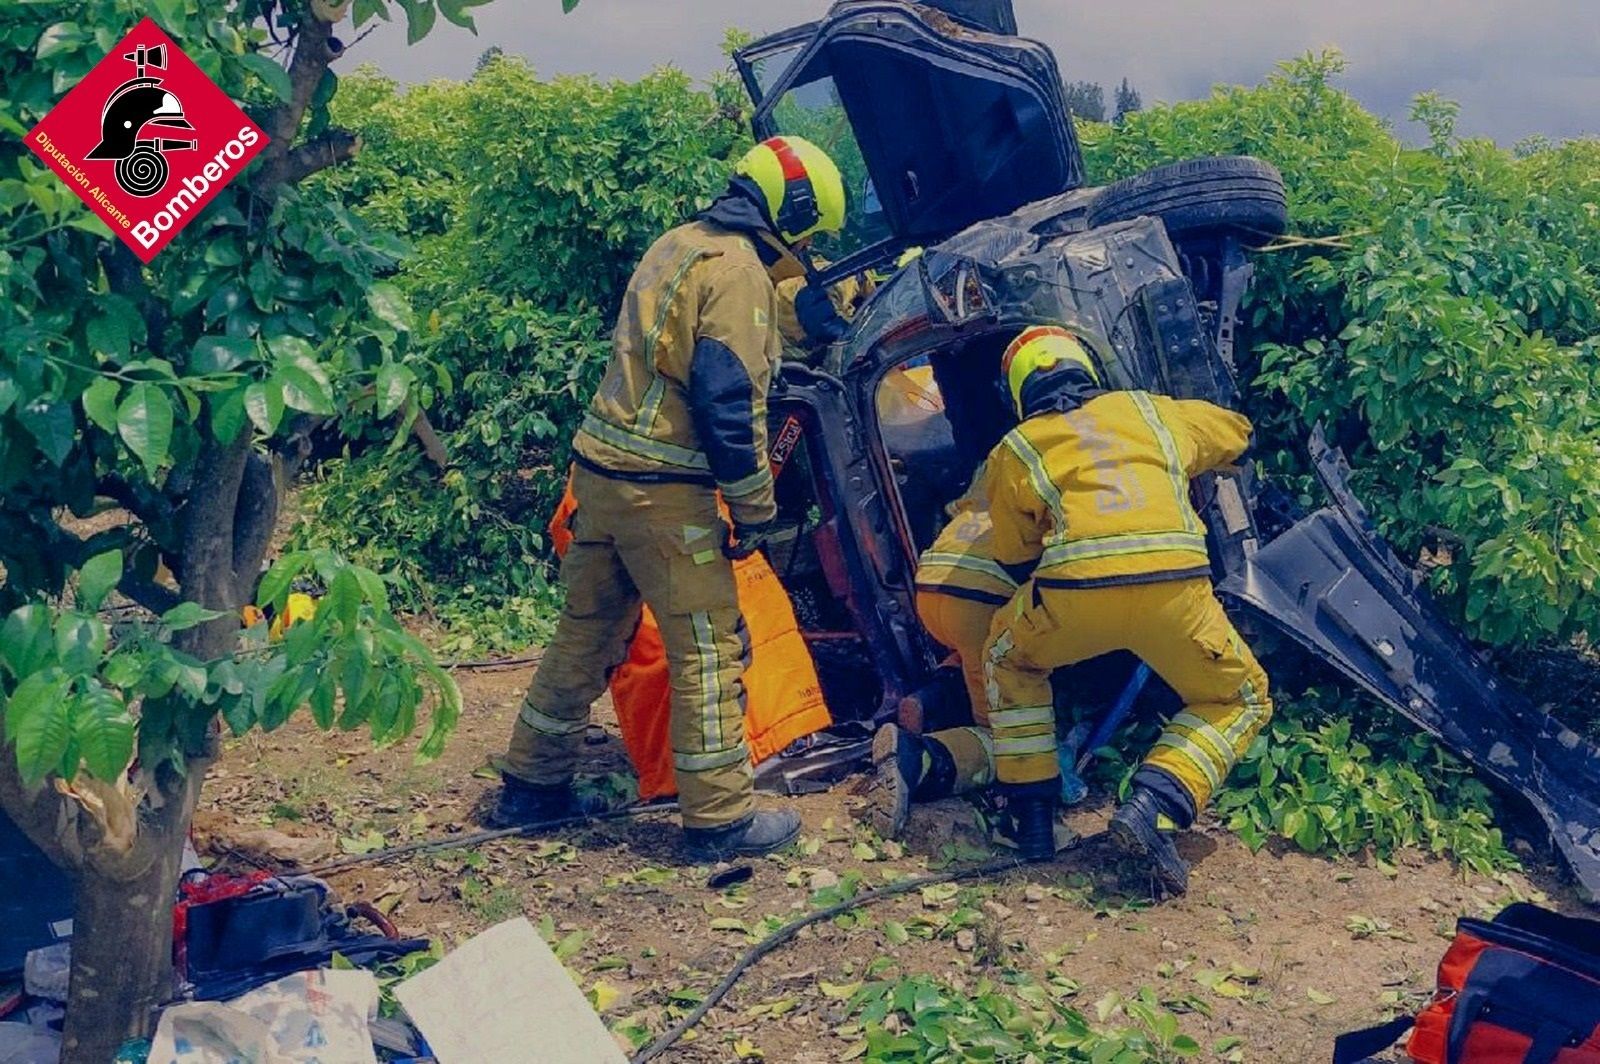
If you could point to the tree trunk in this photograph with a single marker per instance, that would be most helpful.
(122, 928)
(122, 935)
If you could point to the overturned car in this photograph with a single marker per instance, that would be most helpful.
(954, 137)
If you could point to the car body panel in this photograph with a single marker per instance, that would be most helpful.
(946, 124)
(1330, 583)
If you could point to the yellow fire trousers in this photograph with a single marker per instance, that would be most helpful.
(962, 624)
(1176, 627)
(659, 544)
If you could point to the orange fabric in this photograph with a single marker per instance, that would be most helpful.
(1430, 1037)
(783, 696)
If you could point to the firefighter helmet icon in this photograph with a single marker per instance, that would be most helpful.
(140, 106)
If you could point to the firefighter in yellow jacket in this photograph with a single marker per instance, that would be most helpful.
(1093, 485)
(960, 585)
(679, 417)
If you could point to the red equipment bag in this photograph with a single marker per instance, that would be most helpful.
(1523, 988)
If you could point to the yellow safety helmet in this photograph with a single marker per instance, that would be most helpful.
(1041, 347)
(801, 185)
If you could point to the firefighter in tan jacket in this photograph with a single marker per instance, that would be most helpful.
(1093, 486)
(680, 417)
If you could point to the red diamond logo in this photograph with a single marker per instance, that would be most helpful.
(146, 140)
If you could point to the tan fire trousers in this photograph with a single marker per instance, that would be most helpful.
(660, 545)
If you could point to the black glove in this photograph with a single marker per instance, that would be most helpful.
(818, 318)
(747, 539)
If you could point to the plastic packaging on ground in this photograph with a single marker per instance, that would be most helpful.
(314, 1017)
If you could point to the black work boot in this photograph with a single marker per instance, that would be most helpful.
(1136, 830)
(905, 768)
(1030, 818)
(524, 804)
(752, 835)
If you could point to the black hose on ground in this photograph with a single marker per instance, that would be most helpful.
(478, 838)
(746, 961)
(789, 930)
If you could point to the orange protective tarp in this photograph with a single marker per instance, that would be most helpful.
(783, 697)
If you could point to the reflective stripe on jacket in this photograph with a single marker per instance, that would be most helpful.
(1100, 495)
(961, 560)
(684, 397)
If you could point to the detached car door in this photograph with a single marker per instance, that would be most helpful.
(935, 125)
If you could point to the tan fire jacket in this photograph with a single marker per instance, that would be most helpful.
(684, 398)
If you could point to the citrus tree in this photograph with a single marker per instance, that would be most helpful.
(149, 419)
(521, 258)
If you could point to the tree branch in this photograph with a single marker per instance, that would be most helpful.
(149, 595)
(208, 546)
(255, 515)
(332, 148)
(40, 813)
(311, 58)
(155, 512)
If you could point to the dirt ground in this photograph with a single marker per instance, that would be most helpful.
(1317, 947)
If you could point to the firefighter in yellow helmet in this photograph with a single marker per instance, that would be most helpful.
(959, 585)
(679, 417)
(1093, 485)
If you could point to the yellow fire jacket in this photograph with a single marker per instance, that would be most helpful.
(1100, 495)
(684, 398)
(961, 561)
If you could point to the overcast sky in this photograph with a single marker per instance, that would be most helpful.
(1517, 67)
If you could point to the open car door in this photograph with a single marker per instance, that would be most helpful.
(1335, 587)
(934, 124)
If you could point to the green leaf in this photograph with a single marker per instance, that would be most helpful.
(97, 577)
(221, 354)
(52, 426)
(390, 305)
(263, 401)
(26, 641)
(38, 723)
(274, 587)
(394, 383)
(420, 16)
(567, 6)
(365, 9)
(322, 700)
(455, 11)
(227, 414)
(100, 402)
(104, 732)
(271, 74)
(144, 420)
(186, 615)
(59, 38)
(109, 334)
(372, 587)
(301, 391)
(80, 642)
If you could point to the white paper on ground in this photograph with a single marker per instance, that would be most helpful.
(504, 998)
(315, 1017)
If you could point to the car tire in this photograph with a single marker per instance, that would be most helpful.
(1225, 193)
